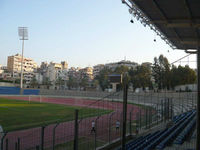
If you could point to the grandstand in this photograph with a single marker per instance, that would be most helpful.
(165, 120)
(183, 126)
(171, 20)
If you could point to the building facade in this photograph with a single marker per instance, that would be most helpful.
(1, 70)
(97, 69)
(57, 71)
(14, 64)
(14, 67)
(127, 63)
(87, 72)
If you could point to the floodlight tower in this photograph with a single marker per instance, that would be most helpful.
(23, 35)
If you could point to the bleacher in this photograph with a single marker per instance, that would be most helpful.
(182, 127)
(16, 91)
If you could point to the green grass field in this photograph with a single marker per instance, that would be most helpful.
(17, 114)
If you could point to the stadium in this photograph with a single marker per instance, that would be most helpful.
(41, 119)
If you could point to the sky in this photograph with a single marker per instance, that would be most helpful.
(81, 32)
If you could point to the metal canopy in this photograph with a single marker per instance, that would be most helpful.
(177, 20)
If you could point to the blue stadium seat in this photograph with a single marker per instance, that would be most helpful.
(183, 124)
(182, 136)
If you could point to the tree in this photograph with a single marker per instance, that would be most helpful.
(182, 75)
(47, 82)
(161, 72)
(59, 82)
(18, 81)
(103, 78)
(140, 77)
(83, 83)
(121, 70)
(72, 82)
(34, 82)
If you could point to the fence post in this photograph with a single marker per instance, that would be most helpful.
(37, 147)
(125, 93)
(18, 144)
(162, 112)
(164, 108)
(172, 112)
(95, 139)
(54, 132)
(15, 145)
(130, 126)
(109, 132)
(42, 137)
(140, 119)
(109, 129)
(2, 139)
(146, 116)
(76, 130)
(150, 117)
(157, 113)
(6, 144)
(168, 108)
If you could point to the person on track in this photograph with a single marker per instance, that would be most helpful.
(93, 127)
(117, 125)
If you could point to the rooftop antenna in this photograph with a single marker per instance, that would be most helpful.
(23, 35)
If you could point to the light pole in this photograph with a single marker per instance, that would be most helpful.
(23, 35)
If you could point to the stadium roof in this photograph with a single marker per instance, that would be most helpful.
(175, 21)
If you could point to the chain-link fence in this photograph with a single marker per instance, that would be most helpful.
(144, 111)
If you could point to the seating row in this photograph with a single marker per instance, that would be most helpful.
(177, 133)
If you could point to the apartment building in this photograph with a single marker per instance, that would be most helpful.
(1, 70)
(97, 69)
(127, 63)
(56, 70)
(14, 67)
(87, 72)
(14, 64)
(74, 72)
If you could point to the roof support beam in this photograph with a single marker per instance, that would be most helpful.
(185, 39)
(160, 10)
(188, 8)
(190, 43)
(182, 25)
(189, 21)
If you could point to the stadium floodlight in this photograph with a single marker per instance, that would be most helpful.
(23, 35)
